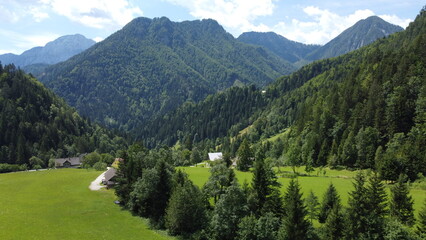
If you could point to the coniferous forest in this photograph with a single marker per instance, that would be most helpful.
(174, 93)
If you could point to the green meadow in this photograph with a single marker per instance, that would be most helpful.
(318, 183)
(57, 204)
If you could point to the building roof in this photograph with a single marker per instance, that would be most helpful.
(109, 174)
(73, 161)
(215, 156)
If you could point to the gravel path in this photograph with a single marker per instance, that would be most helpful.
(96, 184)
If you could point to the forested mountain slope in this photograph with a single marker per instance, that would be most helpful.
(365, 109)
(35, 122)
(152, 66)
(53, 52)
(289, 50)
(361, 34)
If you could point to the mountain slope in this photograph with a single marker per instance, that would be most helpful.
(289, 50)
(150, 67)
(53, 52)
(364, 109)
(361, 34)
(35, 122)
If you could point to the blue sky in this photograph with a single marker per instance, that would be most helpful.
(29, 23)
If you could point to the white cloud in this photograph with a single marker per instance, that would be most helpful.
(95, 13)
(323, 25)
(236, 15)
(396, 20)
(110, 14)
(22, 42)
(98, 39)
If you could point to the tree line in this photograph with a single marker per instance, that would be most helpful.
(149, 187)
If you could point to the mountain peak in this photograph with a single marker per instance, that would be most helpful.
(53, 52)
(360, 34)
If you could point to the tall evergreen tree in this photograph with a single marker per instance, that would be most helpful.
(334, 227)
(376, 206)
(357, 209)
(312, 206)
(186, 213)
(294, 225)
(401, 202)
(264, 183)
(330, 200)
(245, 156)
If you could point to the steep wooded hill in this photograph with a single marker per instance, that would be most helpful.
(361, 34)
(152, 66)
(35, 122)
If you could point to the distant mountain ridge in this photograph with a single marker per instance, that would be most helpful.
(152, 66)
(287, 49)
(53, 52)
(361, 34)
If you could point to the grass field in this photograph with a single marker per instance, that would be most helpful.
(57, 204)
(342, 180)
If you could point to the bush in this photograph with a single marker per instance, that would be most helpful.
(100, 166)
(5, 167)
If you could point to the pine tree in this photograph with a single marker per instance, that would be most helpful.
(264, 183)
(334, 227)
(245, 156)
(312, 206)
(376, 206)
(186, 213)
(294, 225)
(401, 203)
(357, 211)
(331, 198)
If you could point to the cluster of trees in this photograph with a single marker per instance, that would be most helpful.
(36, 124)
(150, 187)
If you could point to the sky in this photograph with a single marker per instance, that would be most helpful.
(29, 23)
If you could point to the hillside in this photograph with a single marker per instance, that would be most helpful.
(53, 52)
(152, 66)
(365, 109)
(361, 34)
(35, 122)
(289, 50)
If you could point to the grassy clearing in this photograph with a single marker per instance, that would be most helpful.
(342, 180)
(57, 204)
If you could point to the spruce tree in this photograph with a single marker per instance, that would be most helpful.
(245, 156)
(331, 198)
(186, 212)
(264, 184)
(334, 227)
(376, 206)
(357, 211)
(294, 225)
(312, 206)
(401, 203)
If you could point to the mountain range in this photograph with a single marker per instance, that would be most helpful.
(152, 66)
(53, 52)
(361, 34)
